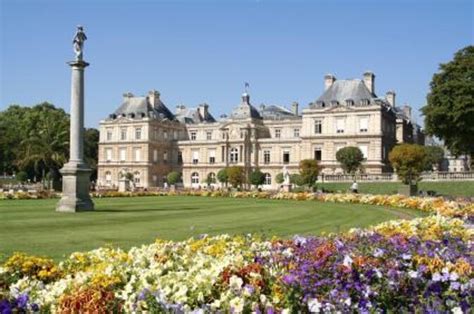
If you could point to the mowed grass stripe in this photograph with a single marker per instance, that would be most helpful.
(33, 226)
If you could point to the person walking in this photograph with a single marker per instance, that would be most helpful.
(355, 187)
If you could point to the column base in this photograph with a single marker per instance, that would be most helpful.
(76, 185)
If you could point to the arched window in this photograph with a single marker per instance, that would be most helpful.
(211, 178)
(234, 155)
(136, 177)
(108, 178)
(195, 178)
(268, 179)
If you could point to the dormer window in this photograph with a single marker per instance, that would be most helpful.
(334, 103)
(320, 103)
(131, 115)
(349, 102)
(364, 102)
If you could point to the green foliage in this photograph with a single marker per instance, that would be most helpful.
(210, 179)
(408, 160)
(351, 159)
(22, 176)
(279, 178)
(309, 170)
(257, 177)
(91, 150)
(434, 156)
(128, 176)
(173, 177)
(449, 113)
(222, 176)
(236, 176)
(297, 179)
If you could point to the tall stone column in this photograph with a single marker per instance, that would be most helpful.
(76, 173)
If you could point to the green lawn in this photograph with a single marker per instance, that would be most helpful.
(452, 188)
(34, 227)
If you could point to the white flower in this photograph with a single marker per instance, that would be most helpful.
(347, 302)
(457, 310)
(406, 256)
(237, 305)
(378, 252)
(347, 261)
(413, 274)
(235, 283)
(436, 277)
(453, 276)
(263, 299)
(314, 306)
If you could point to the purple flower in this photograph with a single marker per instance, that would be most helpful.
(22, 301)
(5, 307)
(289, 279)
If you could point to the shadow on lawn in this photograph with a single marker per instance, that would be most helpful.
(131, 210)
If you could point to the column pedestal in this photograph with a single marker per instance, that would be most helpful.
(76, 185)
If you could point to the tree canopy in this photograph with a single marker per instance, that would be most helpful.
(449, 112)
(36, 140)
(434, 156)
(350, 158)
(173, 177)
(408, 160)
(257, 177)
(309, 170)
(236, 176)
(222, 176)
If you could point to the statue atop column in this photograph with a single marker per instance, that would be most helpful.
(78, 42)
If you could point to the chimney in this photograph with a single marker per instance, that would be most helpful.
(329, 79)
(390, 97)
(203, 111)
(180, 108)
(407, 111)
(127, 95)
(294, 108)
(154, 98)
(369, 81)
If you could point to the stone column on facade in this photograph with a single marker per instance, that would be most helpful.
(76, 173)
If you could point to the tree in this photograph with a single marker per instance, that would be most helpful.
(434, 156)
(309, 170)
(279, 178)
(296, 179)
(173, 177)
(449, 112)
(22, 176)
(91, 150)
(408, 160)
(236, 176)
(350, 158)
(210, 179)
(222, 176)
(257, 177)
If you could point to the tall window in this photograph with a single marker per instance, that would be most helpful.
(109, 134)
(340, 124)
(165, 134)
(211, 178)
(108, 178)
(165, 157)
(318, 126)
(108, 154)
(234, 155)
(180, 157)
(266, 156)
(155, 155)
(193, 136)
(195, 156)
(138, 154)
(195, 178)
(138, 133)
(175, 134)
(268, 179)
(209, 135)
(296, 133)
(363, 124)
(286, 157)
(212, 156)
(136, 178)
(364, 149)
(123, 154)
(277, 133)
(317, 154)
(123, 134)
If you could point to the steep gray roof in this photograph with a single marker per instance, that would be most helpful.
(343, 90)
(274, 112)
(192, 116)
(245, 109)
(139, 107)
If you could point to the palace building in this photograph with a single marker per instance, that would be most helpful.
(144, 138)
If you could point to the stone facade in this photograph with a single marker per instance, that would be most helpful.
(144, 138)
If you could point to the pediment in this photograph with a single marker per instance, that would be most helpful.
(340, 108)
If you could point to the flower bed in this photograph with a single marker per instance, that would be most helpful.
(404, 266)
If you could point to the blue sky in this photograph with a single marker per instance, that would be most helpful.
(204, 51)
